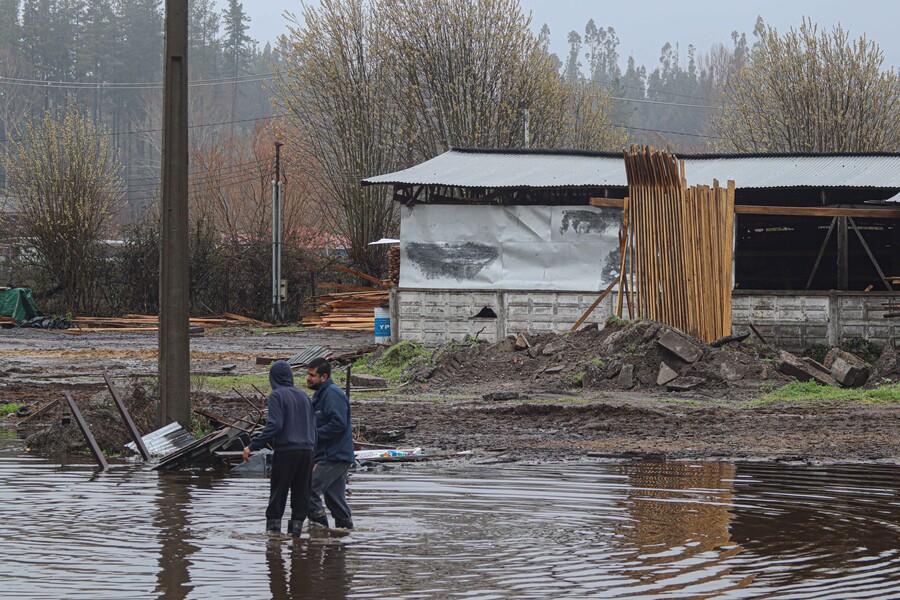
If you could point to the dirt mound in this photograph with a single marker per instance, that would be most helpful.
(640, 355)
(101, 414)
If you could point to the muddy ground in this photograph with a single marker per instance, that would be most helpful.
(560, 413)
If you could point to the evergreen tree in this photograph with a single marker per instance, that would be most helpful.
(9, 23)
(237, 44)
(205, 47)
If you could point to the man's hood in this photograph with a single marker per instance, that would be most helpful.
(280, 375)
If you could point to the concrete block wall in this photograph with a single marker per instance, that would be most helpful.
(789, 320)
(795, 321)
(436, 316)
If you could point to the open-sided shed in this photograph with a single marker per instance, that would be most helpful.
(532, 235)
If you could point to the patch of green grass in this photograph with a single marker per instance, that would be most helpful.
(597, 362)
(199, 427)
(810, 391)
(392, 362)
(10, 408)
(578, 377)
(240, 382)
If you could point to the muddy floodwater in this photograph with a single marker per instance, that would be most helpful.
(463, 530)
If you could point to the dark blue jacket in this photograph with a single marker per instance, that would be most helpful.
(292, 422)
(333, 430)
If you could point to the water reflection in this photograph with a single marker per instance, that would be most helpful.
(314, 570)
(173, 579)
(819, 529)
(578, 530)
(679, 527)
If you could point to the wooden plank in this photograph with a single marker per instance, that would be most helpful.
(596, 303)
(86, 430)
(818, 211)
(361, 275)
(786, 211)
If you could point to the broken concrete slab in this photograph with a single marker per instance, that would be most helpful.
(685, 384)
(849, 374)
(555, 369)
(792, 366)
(625, 380)
(534, 351)
(816, 365)
(367, 381)
(666, 374)
(554, 348)
(680, 347)
(848, 369)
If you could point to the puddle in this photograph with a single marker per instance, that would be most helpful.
(670, 530)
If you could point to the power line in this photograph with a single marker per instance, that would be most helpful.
(134, 85)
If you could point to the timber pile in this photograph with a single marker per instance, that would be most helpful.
(351, 310)
(394, 263)
(4, 320)
(348, 311)
(127, 323)
(680, 241)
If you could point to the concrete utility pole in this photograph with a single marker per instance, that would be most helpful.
(174, 343)
(277, 309)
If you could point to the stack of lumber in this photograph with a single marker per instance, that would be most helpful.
(394, 263)
(4, 320)
(347, 311)
(351, 310)
(127, 323)
(680, 243)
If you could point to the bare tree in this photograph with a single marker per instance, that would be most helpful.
(811, 91)
(337, 84)
(376, 85)
(68, 184)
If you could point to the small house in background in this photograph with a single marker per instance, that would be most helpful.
(494, 242)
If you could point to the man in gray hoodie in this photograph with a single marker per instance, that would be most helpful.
(291, 431)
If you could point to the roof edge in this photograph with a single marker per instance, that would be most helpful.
(708, 155)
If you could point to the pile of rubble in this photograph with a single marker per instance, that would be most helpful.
(632, 355)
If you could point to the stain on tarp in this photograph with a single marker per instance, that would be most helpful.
(583, 222)
(459, 261)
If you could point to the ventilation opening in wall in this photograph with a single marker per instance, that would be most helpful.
(486, 313)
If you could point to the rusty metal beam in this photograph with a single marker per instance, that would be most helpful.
(86, 430)
(126, 417)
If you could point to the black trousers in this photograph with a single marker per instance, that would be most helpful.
(291, 472)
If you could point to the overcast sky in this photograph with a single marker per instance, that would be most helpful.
(643, 26)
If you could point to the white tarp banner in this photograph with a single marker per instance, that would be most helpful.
(563, 248)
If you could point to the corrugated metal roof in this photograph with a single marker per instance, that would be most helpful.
(544, 169)
(165, 440)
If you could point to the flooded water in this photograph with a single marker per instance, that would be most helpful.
(583, 530)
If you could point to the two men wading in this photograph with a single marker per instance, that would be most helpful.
(306, 434)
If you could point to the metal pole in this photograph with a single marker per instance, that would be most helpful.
(278, 145)
(274, 250)
(174, 300)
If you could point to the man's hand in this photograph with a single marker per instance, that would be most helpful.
(247, 454)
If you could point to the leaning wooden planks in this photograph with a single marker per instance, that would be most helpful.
(680, 241)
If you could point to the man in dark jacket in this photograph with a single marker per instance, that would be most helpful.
(334, 447)
(291, 431)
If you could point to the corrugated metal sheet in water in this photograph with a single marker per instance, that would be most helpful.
(165, 440)
(495, 169)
